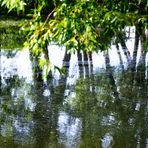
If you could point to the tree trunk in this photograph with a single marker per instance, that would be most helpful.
(143, 52)
(120, 58)
(109, 74)
(37, 71)
(141, 67)
(136, 45)
(124, 47)
(80, 62)
(66, 61)
(89, 54)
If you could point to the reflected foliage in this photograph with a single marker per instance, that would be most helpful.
(111, 108)
(118, 110)
(29, 113)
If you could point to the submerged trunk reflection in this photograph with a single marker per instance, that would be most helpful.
(47, 110)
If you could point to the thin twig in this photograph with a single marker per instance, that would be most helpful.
(48, 16)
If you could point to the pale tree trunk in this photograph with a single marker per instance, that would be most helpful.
(141, 67)
(66, 61)
(124, 47)
(129, 30)
(120, 58)
(109, 74)
(136, 45)
(89, 54)
(80, 62)
(87, 62)
(143, 52)
(107, 59)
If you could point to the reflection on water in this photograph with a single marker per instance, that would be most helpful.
(105, 108)
(10, 66)
(69, 129)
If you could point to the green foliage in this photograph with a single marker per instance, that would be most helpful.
(13, 4)
(87, 25)
(10, 35)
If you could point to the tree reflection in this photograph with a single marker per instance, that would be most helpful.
(101, 114)
(120, 57)
(29, 113)
(15, 113)
(47, 110)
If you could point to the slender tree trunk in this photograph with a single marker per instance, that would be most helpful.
(120, 58)
(79, 55)
(45, 52)
(141, 67)
(136, 45)
(143, 52)
(85, 63)
(124, 47)
(107, 59)
(80, 62)
(46, 56)
(37, 71)
(66, 61)
(110, 76)
(129, 30)
(89, 54)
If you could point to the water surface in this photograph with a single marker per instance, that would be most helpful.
(105, 108)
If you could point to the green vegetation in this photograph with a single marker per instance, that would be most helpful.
(86, 25)
(10, 35)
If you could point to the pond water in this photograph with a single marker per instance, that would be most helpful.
(105, 108)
